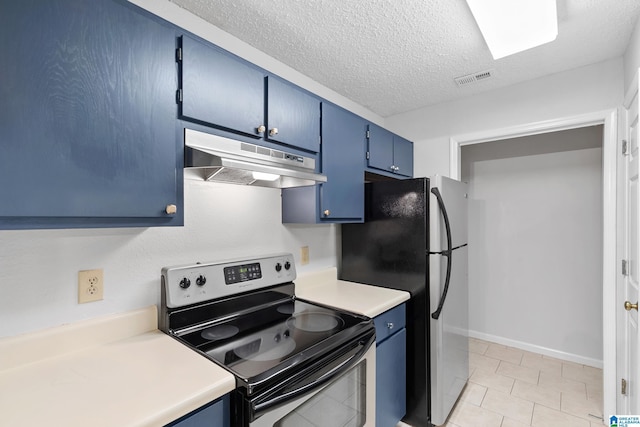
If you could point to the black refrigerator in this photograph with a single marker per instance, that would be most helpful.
(414, 238)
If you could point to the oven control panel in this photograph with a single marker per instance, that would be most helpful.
(242, 273)
(194, 283)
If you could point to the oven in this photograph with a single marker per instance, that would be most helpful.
(295, 362)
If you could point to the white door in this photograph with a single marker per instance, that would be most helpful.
(628, 401)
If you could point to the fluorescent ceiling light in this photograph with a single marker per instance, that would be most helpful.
(263, 176)
(511, 26)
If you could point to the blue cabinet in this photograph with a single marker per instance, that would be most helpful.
(293, 116)
(88, 116)
(391, 366)
(389, 152)
(341, 198)
(221, 90)
(218, 89)
(216, 414)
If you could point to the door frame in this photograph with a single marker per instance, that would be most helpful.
(609, 119)
(624, 350)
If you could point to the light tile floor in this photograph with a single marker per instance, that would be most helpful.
(512, 388)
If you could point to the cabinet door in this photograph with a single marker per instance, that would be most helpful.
(380, 148)
(87, 119)
(220, 90)
(343, 139)
(403, 156)
(391, 367)
(216, 414)
(293, 116)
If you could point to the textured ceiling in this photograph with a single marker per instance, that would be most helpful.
(393, 56)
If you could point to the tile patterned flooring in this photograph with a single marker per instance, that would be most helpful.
(509, 387)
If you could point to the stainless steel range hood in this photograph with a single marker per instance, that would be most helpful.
(227, 160)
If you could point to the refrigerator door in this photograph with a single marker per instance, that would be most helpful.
(454, 195)
(449, 350)
(388, 249)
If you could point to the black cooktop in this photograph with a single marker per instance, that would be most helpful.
(252, 344)
(243, 314)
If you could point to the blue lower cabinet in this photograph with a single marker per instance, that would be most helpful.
(215, 414)
(391, 367)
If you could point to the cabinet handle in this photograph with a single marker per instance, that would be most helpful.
(390, 325)
(261, 129)
(628, 306)
(327, 212)
(273, 132)
(171, 209)
(393, 168)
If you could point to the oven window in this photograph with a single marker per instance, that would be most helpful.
(341, 404)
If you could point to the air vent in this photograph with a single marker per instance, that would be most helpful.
(473, 78)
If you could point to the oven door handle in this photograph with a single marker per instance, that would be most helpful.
(279, 399)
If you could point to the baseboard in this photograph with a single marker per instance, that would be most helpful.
(569, 357)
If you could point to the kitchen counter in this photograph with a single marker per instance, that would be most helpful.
(122, 371)
(324, 287)
(114, 371)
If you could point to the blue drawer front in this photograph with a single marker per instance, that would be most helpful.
(216, 414)
(390, 322)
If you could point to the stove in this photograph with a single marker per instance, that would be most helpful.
(243, 315)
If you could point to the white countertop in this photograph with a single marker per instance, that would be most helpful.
(114, 371)
(323, 287)
(122, 371)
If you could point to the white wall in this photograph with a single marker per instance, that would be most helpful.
(594, 88)
(535, 242)
(588, 89)
(632, 57)
(38, 269)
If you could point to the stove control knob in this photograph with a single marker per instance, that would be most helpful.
(287, 265)
(185, 283)
(201, 280)
(278, 267)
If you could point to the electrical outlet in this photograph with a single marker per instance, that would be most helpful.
(90, 285)
(304, 255)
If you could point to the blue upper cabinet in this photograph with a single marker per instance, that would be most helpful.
(380, 148)
(403, 156)
(88, 116)
(388, 152)
(293, 116)
(220, 90)
(341, 198)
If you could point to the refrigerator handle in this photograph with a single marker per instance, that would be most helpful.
(447, 252)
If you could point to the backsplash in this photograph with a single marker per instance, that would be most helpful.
(39, 268)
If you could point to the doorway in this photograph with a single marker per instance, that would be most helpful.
(608, 120)
(535, 237)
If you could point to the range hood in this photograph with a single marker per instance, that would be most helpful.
(227, 160)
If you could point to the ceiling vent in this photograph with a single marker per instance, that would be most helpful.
(473, 78)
